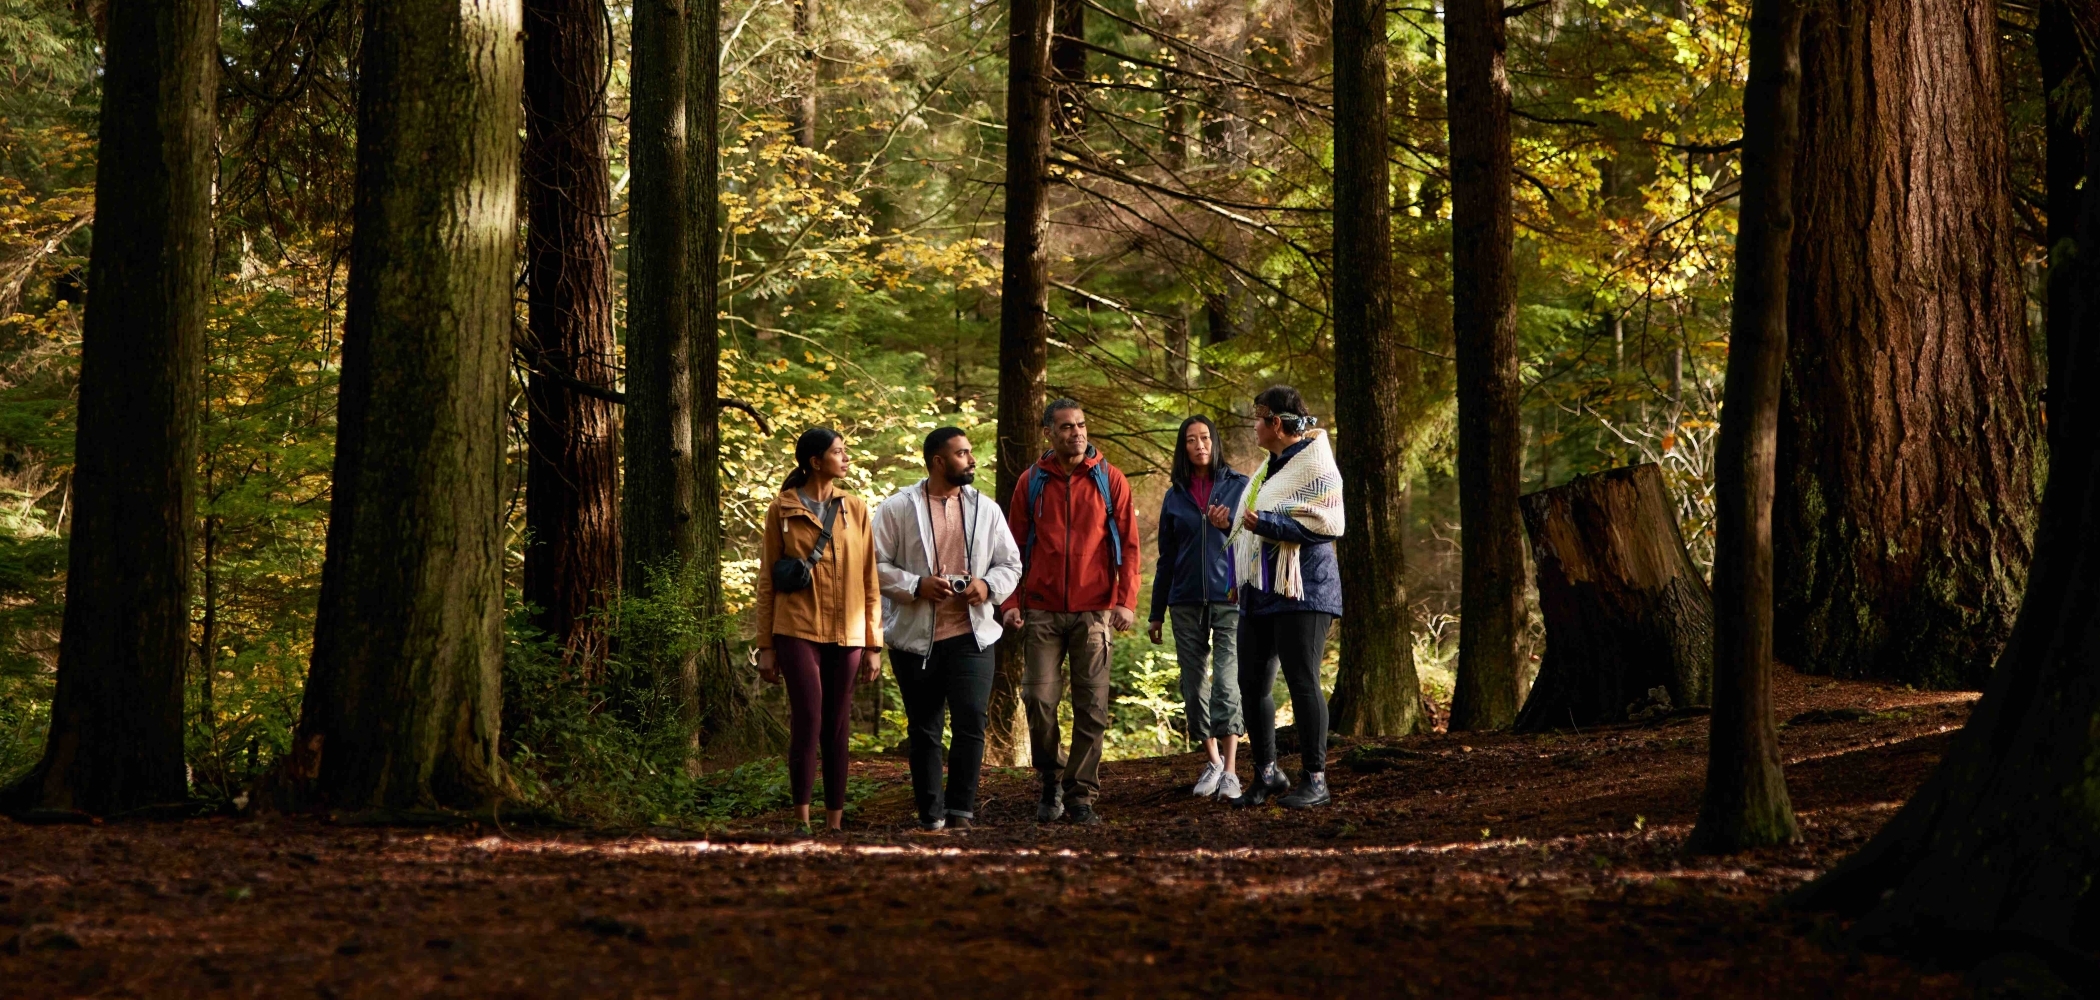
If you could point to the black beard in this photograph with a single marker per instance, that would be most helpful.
(963, 478)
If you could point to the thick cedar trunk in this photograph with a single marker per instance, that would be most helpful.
(2057, 49)
(572, 553)
(1375, 691)
(1024, 318)
(1745, 803)
(401, 705)
(714, 692)
(116, 721)
(657, 499)
(1907, 435)
(1484, 324)
(806, 39)
(1626, 610)
(1996, 851)
(1068, 66)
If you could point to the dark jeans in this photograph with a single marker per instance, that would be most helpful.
(819, 679)
(1296, 639)
(957, 676)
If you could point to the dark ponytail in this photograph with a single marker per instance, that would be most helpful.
(813, 442)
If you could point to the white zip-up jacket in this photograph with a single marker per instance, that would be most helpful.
(904, 555)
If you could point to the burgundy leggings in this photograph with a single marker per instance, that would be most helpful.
(819, 678)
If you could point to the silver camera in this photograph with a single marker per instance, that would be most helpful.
(958, 583)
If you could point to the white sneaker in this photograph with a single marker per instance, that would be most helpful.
(1230, 787)
(1207, 785)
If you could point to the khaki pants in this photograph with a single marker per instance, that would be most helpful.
(1048, 639)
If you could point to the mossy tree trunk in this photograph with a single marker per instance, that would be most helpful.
(1376, 692)
(572, 553)
(1024, 316)
(1908, 431)
(1745, 801)
(401, 707)
(116, 721)
(1996, 851)
(1484, 326)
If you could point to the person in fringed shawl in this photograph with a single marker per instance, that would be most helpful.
(1282, 543)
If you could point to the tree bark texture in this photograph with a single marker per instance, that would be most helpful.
(572, 552)
(116, 721)
(657, 502)
(716, 693)
(1376, 692)
(1484, 325)
(1745, 802)
(1625, 608)
(401, 706)
(1907, 433)
(1996, 851)
(1024, 304)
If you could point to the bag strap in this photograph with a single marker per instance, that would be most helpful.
(1108, 506)
(816, 552)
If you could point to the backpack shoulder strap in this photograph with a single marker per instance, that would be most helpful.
(1037, 478)
(1108, 507)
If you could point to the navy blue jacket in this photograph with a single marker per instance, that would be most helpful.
(1316, 562)
(1194, 565)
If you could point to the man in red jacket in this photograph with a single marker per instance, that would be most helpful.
(1079, 586)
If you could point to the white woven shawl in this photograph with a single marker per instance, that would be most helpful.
(1308, 489)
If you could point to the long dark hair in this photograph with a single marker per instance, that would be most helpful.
(813, 442)
(1185, 470)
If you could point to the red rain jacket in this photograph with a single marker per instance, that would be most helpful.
(1071, 568)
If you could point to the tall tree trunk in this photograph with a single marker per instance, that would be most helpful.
(716, 695)
(116, 721)
(1996, 851)
(572, 553)
(1068, 66)
(2057, 49)
(1375, 692)
(1024, 304)
(1745, 803)
(1907, 433)
(657, 502)
(401, 705)
(1484, 325)
(806, 39)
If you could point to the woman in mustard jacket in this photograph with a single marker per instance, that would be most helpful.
(825, 634)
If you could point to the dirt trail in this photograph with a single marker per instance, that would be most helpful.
(1482, 865)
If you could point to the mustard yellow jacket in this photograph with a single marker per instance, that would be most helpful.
(844, 605)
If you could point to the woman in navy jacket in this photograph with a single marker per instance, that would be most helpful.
(1193, 582)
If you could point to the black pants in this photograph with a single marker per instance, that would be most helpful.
(1296, 639)
(957, 676)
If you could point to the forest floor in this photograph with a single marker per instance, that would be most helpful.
(1449, 866)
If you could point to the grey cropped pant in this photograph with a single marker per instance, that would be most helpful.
(1206, 640)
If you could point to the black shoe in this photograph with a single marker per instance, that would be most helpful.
(1268, 780)
(1052, 804)
(1312, 793)
(959, 823)
(932, 825)
(1082, 814)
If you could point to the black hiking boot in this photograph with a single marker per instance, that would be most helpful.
(1268, 780)
(1310, 794)
(1082, 814)
(1052, 804)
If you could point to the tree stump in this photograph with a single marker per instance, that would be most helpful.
(1626, 611)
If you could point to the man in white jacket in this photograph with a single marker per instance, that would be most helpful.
(946, 559)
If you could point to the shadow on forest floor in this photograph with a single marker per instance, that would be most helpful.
(1449, 866)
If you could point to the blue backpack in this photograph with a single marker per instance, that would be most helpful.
(1038, 477)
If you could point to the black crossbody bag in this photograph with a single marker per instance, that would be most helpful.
(792, 573)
